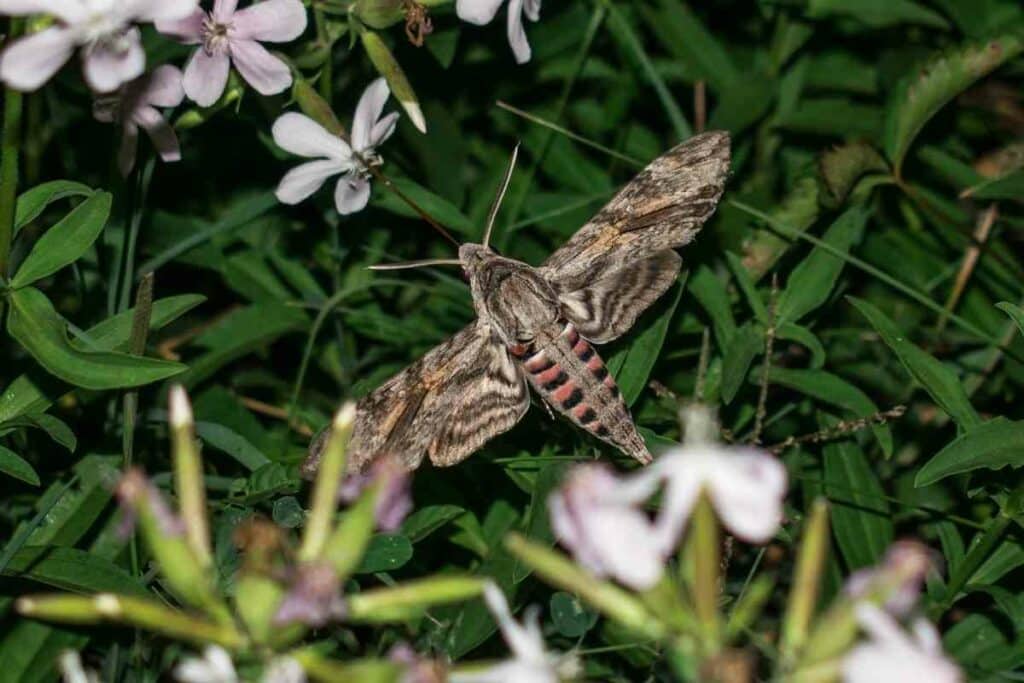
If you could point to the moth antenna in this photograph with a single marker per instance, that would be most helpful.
(417, 264)
(493, 215)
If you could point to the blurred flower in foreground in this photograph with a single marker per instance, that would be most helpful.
(134, 106)
(598, 517)
(532, 662)
(227, 35)
(71, 670)
(214, 666)
(891, 655)
(394, 501)
(134, 491)
(111, 49)
(301, 135)
(481, 12)
(313, 597)
(899, 577)
(417, 669)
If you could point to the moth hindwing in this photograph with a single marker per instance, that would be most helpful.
(537, 326)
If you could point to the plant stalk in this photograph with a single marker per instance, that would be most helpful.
(10, 143)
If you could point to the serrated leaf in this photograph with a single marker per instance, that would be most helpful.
(15, 466)
(939, 381)
(40, 329)
(34, 201)
(930, 87)
(995, 444)
(66, 241)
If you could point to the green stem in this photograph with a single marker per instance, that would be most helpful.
(327, 74)
(9, 147)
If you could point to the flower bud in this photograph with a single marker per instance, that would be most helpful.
(380, 13)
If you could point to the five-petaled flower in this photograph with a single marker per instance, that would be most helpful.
(481, 12)
(890, 655)
(134, 106)
(301, 135)
(531, 662)
(105, 30)
(227, 34)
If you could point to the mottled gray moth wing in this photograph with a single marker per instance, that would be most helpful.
(445, 405)
(624, 249)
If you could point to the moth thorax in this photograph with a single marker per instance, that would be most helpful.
(520, 305)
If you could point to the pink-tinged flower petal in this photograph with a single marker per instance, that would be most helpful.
(273, 21)
(368, 110)
(206, 76)
(224, 10)
(163, 87)
(106, 69)
(70, 12)
(160, 132)
(267, 74)
(299, 134)
(305, 179)
(516, 32)
(531, 8)
(747, 491)
(128, 150)
(351, 194)
(188, 30)
(383, 129)
(478, 12)
(29, 62)
(891, 656)
(162, 10)
(683, 485)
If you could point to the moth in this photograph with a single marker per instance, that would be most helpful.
(537, 326)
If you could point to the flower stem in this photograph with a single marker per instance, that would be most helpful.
(9, 147)
(706, 561)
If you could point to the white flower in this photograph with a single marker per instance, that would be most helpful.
(301, 135)
(134, 107)
(531, 662)
(481, 12)
(227, 35)
(71, 670)
(897, 580)
(214, 666)
(890, 655)
(111, 50)
(597, 516)
(284, 670)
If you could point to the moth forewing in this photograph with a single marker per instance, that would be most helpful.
(536, 325)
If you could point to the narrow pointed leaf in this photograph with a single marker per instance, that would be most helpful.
(65, 242)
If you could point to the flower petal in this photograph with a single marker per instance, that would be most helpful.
(516, 32)
(129, 146)
(224, 10)
(163, 10)
(106, 69)
(630, 549)
(160, 132)
(206, 77)
(684, 480)
(274, 21)
(383, 129)
(531, 8)
(351, 194)
(164, 87)
(188, 29)
(305, 179)
(70, 12)
(29, 62)
(747, 491)
(299, 134)
(368, 110)
(267, 74)
(478, 12)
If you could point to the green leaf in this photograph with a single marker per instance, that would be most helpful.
(234, 444)
(428, 519)
(538, 520)
(995, 444)
(682, 34)
(385, 553)
(1015, 312)
(38, 327)
(747, 286)
(834, 390)
(439, 208)
(55, 428)
(803, 336)
(841, 168)
(15, 466)
(73, 570)
(746, 344)
(34, 201)
(927, 89)
(1005, 187)
(28, 394)
(571, 617)
(811, 282)
(632, 365)
(879, 13)
(711, 294)
(391, 70)
(860, 515)
(29, 650)
(938, 380)
(65, 242)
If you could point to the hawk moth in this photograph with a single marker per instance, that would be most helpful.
(536, 326)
